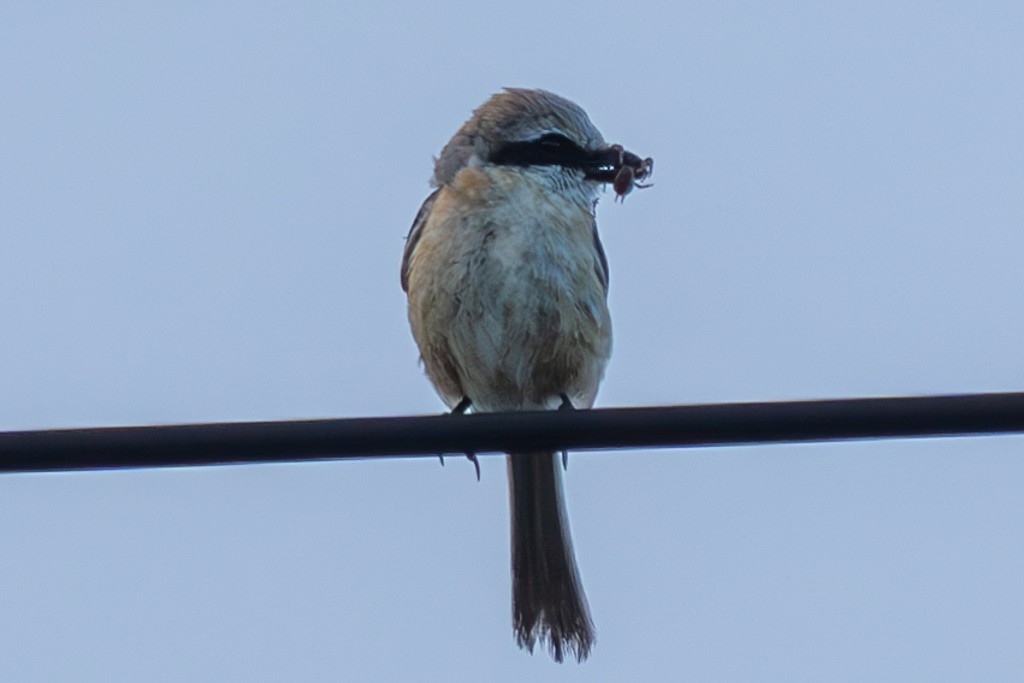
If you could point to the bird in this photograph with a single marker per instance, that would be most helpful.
(507, 285)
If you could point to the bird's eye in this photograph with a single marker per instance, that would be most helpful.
(549, 149)
(555, 141)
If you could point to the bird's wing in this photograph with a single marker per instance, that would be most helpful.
(602, 259)
(414, 236)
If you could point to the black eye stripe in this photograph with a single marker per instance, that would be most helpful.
(550, 149)
(555, 140)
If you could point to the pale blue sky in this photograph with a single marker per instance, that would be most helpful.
(201, 218)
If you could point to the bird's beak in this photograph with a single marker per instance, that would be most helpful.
(623, 169)
(605, 164)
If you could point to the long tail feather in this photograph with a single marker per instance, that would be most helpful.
(548, 604)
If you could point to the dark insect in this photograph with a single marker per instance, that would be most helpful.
(631, 170)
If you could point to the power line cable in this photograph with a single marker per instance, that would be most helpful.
(669, 426)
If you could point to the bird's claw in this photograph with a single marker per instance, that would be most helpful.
(476, 463)
(460, 409)
(566, 405)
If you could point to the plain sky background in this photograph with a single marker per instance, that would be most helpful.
(202, 214)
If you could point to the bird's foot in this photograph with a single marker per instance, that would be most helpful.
(566, 405)
(476, 463)
(460, 409)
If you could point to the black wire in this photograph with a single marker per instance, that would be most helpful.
(671, 426)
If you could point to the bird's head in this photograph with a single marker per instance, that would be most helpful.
(540, 131)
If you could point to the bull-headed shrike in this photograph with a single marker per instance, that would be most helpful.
(507, 285)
